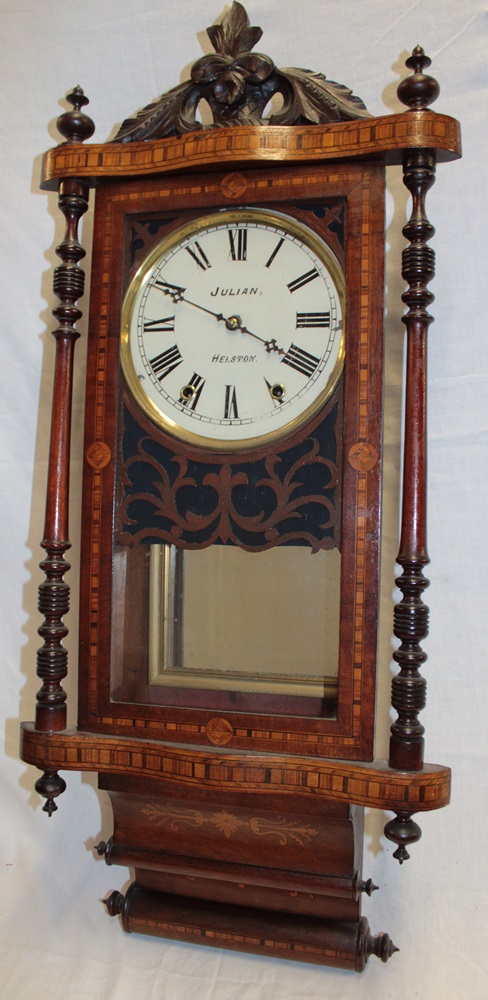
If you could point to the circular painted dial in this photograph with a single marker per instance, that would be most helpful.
(232, 329)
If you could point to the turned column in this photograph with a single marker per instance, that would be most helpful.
(411, 614)
(68, 286)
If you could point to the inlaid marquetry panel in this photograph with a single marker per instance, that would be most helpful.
(368, 784)
(388, 135)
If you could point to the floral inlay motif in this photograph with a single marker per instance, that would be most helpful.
(226, 823)
(178, 818)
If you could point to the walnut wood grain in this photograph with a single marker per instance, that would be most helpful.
(253, 835)
(263, 876)
(303, 897)
(276, 853)
(346, 944)
(386, 136)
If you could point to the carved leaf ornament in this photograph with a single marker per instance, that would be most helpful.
(238, 84)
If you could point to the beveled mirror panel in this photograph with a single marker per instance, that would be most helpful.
(225, 618)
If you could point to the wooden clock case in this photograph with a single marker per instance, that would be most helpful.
(241, 814)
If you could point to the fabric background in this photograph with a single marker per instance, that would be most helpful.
(55, 937)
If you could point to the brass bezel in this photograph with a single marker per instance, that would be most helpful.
(160, 419)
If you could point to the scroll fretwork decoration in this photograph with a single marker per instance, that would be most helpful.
(411, 616)
(191, 504)
(238, 84)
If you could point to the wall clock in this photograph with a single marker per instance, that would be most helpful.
(276, 388)
(232, 499)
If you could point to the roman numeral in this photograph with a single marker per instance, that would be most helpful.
(165, 325)
(305, 320)
(166, 362)
(230, 408)
(275, 251)
(199, 256)
(190, 394)
(303, 280)
(238, 243)
(301, 360)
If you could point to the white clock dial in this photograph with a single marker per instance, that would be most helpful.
(232, 329)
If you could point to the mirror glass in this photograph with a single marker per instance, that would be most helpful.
(228, 619)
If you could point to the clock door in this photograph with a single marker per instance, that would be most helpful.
(225, 605)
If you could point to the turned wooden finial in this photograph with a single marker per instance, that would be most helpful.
(402, 830)
(75, 125)
(367, 886)
(50, 785)
(379, 945)
(114, 903)
(418, 90)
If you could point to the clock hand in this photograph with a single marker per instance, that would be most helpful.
(270, 345)
(176, 292)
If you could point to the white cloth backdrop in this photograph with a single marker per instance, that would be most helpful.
(55, 937)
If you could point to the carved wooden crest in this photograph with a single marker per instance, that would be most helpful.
(237, 85)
